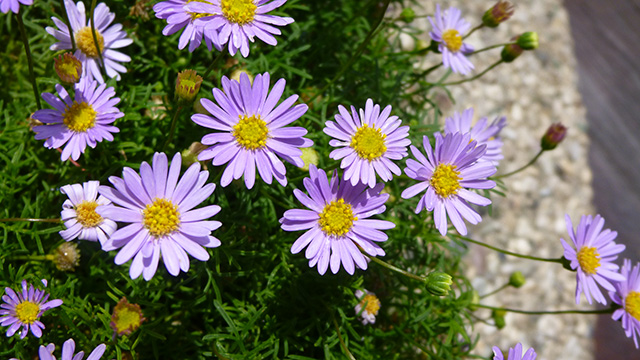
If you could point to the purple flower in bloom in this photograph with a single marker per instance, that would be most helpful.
(368, 142)
(446, 174)
(82, 121)
(253, 130)
(627, 295)
(23, 309)
(109, 38)
(593, 257)
(13, 5)
(69, 346)
(448, 30)
(337, 223)
(515, 353)
(162, 216)
(177, 17)
(239, 21)
(80, 216)
(483, 132)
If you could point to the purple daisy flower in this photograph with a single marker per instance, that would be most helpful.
(80, 122)
(163, 221)
(23, 309)
(627, 295)
(368, 306)
(80, 216)
(238, 21)
(368, 142)
(177, 17)
(592, 254)
(447, 30)
(13, 5)
(515, 353)
(483, 133)
(109, 38)
(69, 346)
(253, 131)
(337, 222)
(447, 173)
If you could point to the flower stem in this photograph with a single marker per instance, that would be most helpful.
(393, 268)
(49, 257)
(535, 158)
(68, 23)
(558, 312)
(491, 47)
(95, 39)
(495, 291)
(473, 30)
(172, 131)
(477, 76)
(555, 260)
(342, 344)
(27, 50)
(58, 220)
(213, 64)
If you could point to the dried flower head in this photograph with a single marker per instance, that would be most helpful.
(126, 317)
(67, 256)
(368, 306)
(68, 68)
(187, 85)
(499, 13)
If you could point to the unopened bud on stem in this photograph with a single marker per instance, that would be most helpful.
(554, 136)
(499, 13)
(439, 283)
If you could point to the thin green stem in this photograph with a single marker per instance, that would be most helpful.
(342, 343)
(535, 158)
(473, 30)
(491, 47)
(558, 312)
(554, 260)
(27, 50)
(31, 220)
(393, 268)
(495, 291)
(356, 54)
(213, 64)
(172, 131)
(68, 23)
(95, 39)
(477, 76)
(32, 257)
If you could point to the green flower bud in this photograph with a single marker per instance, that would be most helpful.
(517, 279)
(528, 40)
(439, 283)
(407, 15)
(498, 318)
(554, 136)
(309, 156)
(500, 12)
(187, 85)
(510, 52)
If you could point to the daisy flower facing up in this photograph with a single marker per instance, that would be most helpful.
(13, 5)
(627, 295)
(238, 21)
(337, 223)
(109, 38)
(23, 309)
(177, 17)
(592, 254)
(368, 306)
(514, 353)
(446, 174)
(483, 132)
(162, 216)
(253, 131)
(447, 30)
(368, 142)
(78, 122)
(69, 346)
(80, 216)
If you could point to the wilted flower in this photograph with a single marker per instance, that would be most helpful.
(24, 309)
(126, 317)
(187, 85)
(368, 306)
(68, 68)
(499, 13)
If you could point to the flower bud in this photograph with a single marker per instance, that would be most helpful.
(309, 156)
(510, 52)
(498, 318)
(126, 317)
(67, 256)
(500, 12)
(554, 136)
(190, 155)
(528, 40)
(517, 279)
(187, 85)
(439, 283)
(68, 68)
(407, 15)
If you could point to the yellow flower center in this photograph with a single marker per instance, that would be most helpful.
(369, 143)
(238, 11)
(79, 117)
(589, 259)
(198, 15)
(373, 304)
(68, 68)
(126, 319)
(337, 218)
(27, 312)
(251, 132)
(445, 180)
(632, 304)
(84, 40)
(86, 214)
(452, 39)
(161, 217)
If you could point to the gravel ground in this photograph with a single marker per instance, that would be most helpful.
(537, 89)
